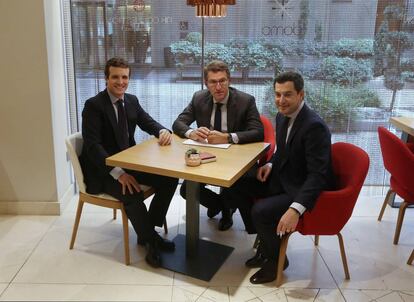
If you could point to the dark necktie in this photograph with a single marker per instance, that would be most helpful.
(122, 125)
(217, 117)
(283, 134)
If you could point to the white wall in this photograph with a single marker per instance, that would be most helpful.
(34, 174)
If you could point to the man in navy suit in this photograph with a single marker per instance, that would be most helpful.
(223, 115)
(109, 120)
(289, 184)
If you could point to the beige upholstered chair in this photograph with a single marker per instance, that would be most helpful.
(74, 145)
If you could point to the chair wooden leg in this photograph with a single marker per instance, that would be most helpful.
(282, 257)
(343, 256)
(410, 260)
(256, 242)
(400, 219)
(126, 235)
(316, 240)
(384, 204)
(76, 225)
(114, 214)
(165, 226)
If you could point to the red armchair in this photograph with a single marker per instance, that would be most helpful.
(398, 159)
(269, 137)
(333, 208)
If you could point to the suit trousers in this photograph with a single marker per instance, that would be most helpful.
(143, 220)
(246, 191)
(266, 214)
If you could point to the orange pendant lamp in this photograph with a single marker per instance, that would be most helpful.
(211, 8)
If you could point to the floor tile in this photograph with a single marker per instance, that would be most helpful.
(241, 294)
(275, 295)
(363, 295)
(40, 265)
(374, 262)
(20, 235)
(3, 286)
(407, 296)
(97, 258)
(215, 293)
(187, 293)
(82, 292)
(301, 294)
(329, 295)
(391, 297)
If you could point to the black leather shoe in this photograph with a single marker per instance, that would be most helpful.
(212, 212)
(164, 244)
(226, 220)
(153, 257)
(257, 261)
(263, 275)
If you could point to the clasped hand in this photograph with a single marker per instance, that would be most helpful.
(205, 135)
(165, 137)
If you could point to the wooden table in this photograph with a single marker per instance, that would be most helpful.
(193, 256)
(406, 125)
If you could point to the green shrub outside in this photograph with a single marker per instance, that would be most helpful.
(358, 49)
(343, 71)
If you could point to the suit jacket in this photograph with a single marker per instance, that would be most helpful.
(101, 137)
(305, 169)
(242, 115)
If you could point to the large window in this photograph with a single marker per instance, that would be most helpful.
(356, 57)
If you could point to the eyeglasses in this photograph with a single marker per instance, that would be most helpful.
(222, 82)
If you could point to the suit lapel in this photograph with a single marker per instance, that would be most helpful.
(209, 109)
(231, 111)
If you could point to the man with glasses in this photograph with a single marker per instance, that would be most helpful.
(223, 115)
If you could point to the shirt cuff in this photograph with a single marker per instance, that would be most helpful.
(298, 207)
(235, 138)
(163, 130)
(116, 172)
(187, 134)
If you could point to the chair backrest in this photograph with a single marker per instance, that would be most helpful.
(398, 158)
(334, 208)
(74, 144)
(269, 137)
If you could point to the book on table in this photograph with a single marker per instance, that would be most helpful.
(207, 157)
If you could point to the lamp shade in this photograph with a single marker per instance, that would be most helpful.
(211, 8)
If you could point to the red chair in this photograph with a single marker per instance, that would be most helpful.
(333, 208)
(269, 137)
(398, 159)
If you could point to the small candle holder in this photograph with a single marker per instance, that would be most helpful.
(192, 157)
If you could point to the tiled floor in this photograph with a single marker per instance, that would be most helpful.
(36, 263)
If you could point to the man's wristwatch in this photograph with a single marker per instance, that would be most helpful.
(230, 139)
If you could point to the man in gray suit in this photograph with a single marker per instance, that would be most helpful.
(223, 115)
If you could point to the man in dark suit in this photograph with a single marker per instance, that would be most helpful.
(289, 184)
(108, 126)
(223, 115)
